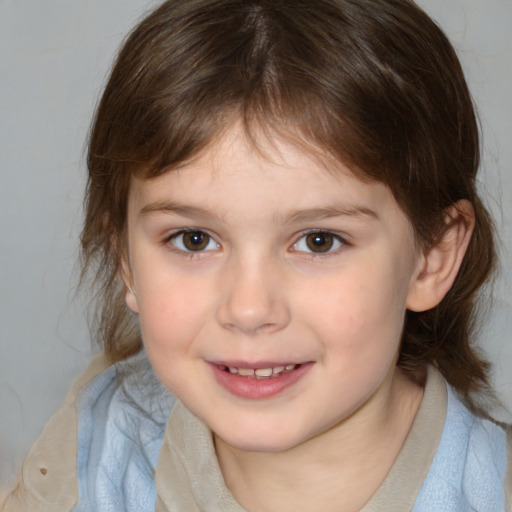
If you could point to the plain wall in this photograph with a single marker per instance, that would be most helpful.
(54, 57)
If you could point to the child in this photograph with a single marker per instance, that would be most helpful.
(282, 221)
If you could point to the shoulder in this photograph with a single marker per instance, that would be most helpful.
(471, 468)
(122, 417)
(49, 470)
(108, 430)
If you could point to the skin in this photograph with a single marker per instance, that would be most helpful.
(257, 294)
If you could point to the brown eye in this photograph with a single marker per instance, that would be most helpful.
(318, 242)
(193, 241)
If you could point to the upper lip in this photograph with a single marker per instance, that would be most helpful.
(255, 365)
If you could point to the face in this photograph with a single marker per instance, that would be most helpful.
(271, 292)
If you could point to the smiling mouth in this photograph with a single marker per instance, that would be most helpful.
(260, 373)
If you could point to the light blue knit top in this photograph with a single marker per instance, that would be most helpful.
(122, 417)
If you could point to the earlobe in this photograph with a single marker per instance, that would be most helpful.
(130, 296)
(440, 264)
(131, 300)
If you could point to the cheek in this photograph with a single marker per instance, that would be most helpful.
(362, 312)
(171, 321)
(171, 311)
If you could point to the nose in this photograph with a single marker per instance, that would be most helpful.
(252, 299)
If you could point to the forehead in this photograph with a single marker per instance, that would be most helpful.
(262, 176)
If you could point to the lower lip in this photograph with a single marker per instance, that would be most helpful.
(258, 389)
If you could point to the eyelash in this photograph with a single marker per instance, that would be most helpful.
(182, 249)
(336, 242)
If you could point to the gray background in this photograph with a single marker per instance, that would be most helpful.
(54, 56)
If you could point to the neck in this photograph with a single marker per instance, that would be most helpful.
(319, 474)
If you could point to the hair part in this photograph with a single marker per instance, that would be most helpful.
(374, 84)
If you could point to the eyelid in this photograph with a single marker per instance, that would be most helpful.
(341, 240)
(183, 250)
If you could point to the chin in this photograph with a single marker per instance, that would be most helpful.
(260, 440)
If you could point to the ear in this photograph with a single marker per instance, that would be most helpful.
(440, 265)
(127, 277)
(125, 272)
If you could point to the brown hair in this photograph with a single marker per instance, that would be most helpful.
(374, 83)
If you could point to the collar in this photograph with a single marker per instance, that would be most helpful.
(188, 477)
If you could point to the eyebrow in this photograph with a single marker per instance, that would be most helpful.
(295, 216)
(315, 214)
(172, 208)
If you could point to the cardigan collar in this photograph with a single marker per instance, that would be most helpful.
(188, 476)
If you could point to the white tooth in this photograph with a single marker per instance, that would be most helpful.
(263, 372)
(277, 370)
(290, 367)
(246, 372)
(233, 370)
